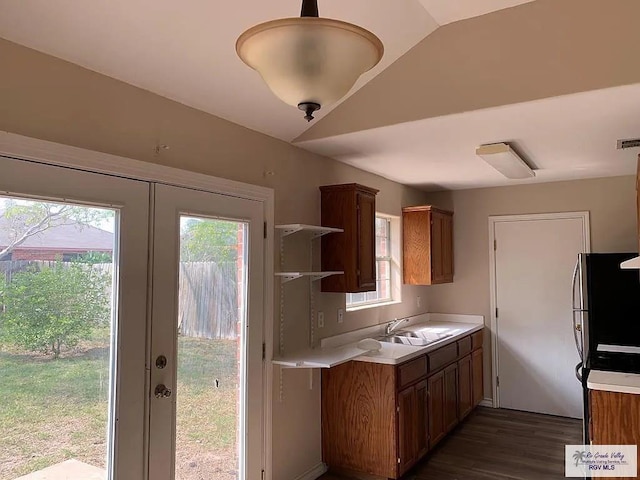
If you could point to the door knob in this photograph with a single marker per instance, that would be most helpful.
(162, 391)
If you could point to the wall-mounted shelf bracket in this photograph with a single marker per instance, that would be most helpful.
(288, 276)
(314, 230)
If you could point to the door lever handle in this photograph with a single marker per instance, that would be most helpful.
(162, 391)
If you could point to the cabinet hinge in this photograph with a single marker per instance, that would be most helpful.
(497, 381)
(265, 229)
(398, 408)
(496, 312)
(264, 355)
(262, 475)
(495, 245)
(398, 460)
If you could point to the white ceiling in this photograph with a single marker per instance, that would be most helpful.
(563, 138)
(185, 50)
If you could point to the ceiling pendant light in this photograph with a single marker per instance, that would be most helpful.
(309, 62)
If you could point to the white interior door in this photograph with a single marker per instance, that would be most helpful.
(207, 321)
(536, 354)
(73, 283)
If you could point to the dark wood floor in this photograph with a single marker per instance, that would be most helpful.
(499, 445)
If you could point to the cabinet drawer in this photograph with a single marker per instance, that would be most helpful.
(411, 371)
(476, 340)
(442, 357)
(464, 346)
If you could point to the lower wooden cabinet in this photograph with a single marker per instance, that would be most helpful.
(465, 387)
(614, 419)
(437, 429)
(477, 380)
(413, 434)
(450, 397)
(380, 419)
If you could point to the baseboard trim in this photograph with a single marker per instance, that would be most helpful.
(313, 473)
(487, 402)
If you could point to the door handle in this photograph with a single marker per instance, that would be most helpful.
(162, 391)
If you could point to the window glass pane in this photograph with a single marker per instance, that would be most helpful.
(383, 268)
(55, 339)
(210, 348)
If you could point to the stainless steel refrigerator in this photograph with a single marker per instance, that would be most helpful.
(606, 317)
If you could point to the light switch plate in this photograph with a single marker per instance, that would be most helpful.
(340, 315)
(320, 319)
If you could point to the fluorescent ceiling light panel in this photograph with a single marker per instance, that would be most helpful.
(504, 159)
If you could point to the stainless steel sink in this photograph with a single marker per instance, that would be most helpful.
(418, 339)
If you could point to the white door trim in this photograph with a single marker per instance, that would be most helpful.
(51, 153)
(493, 220)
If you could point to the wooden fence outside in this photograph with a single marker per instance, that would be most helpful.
(208, 295)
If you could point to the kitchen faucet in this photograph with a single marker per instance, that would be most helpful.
(391, 326)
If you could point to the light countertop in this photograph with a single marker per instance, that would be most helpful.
(345, 347)
(393, 353)
(614, 382)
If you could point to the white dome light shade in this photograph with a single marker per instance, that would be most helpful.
(309, 60)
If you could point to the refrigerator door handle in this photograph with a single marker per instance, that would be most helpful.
(576, 327)
(577, 334)
(573, 287)
(578, 373)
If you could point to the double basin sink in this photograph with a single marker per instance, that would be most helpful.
(417, 339)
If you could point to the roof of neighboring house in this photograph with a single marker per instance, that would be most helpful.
(62, 237)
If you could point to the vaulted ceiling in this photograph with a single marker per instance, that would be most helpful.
(452, 69)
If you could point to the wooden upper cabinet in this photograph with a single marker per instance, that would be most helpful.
(427, 245)
(351, 207)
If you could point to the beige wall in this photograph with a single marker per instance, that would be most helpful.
(47, 98)
(611, 203)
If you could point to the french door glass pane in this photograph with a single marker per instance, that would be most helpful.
(56, 331)
(211, 349)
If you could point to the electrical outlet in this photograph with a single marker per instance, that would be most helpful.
(340, 315)
(320, 319)
(418, 301)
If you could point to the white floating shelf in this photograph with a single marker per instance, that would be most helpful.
(315, 230)
(288, 276)
(321, 357)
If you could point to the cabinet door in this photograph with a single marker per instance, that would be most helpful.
(477, 388)
(447, 248)
(615, 418)
(436, 408)
(416, 247)
(465, 397)
(406, 429)
(437, 266)
(450, 397)
(366, 241)
(422, 419)
(441, 247)
(359, 402)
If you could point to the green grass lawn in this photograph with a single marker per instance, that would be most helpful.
(53, 410)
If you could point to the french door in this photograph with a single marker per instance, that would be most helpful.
(213, 422)
(153, 366)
